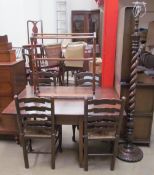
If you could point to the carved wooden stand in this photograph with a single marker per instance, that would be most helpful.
(129, 152)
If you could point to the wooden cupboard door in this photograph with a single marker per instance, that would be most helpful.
(5, 89)
(5, 75)
(86, 22)
(79, 24)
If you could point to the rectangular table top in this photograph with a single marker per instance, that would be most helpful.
(68, 100)
(65, 92)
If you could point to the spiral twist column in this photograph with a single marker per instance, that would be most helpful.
(129, 152)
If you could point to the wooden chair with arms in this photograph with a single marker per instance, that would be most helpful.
(36, 120)
(54, 51)
(102, 122)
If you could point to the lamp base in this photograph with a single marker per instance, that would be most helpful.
(129, 153)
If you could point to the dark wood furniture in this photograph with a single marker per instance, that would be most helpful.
(27, 56)
(66, 98)
(36, 120)
(43, 78)
(54, 51)
(145, 84)
(43, 75)
(86, 22)
(7, 54)
(34, 27)
(12, 81)
(102, 122)
(85, 79)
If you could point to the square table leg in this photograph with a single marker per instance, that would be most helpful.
(81, 142)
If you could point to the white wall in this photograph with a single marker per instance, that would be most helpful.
(11, 19)
(15, 13)
(82, 4)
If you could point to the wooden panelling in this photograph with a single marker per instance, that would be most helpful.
(4, 74)
(5, 46)
(8, 125)
(4, 39)
(4, 101)
(7, 55)
(144, 97)
(5, 89)
(12, 81)
(142, 128)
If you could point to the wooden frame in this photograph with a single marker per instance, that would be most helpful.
(66, 36)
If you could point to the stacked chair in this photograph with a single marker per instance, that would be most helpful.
(85, 79)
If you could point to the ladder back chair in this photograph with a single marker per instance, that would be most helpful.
(27, 56)
(36, 120)
(102, 122)
(85, 79)
(42, 75)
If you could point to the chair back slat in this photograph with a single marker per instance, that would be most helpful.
(34, 100)
(34, 115)
(101, 124)
(104, 109)
(100, 117)
(86, 79)
(37, 125)
(34, 108)
(102, 130)
(104, 101)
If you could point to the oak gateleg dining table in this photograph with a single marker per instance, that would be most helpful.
(69, 104)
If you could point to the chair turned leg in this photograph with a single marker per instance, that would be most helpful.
(115, 147)
(86, 154)
(29, 142)
(25, 154)
(73, 129)
(67, 77)
(53, 151)
(60, 139)
(112, 162)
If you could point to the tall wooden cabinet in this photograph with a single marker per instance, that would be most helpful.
(12, 81)
(145, 85)
(86, 22)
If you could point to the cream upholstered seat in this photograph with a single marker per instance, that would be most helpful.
(74, 50)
